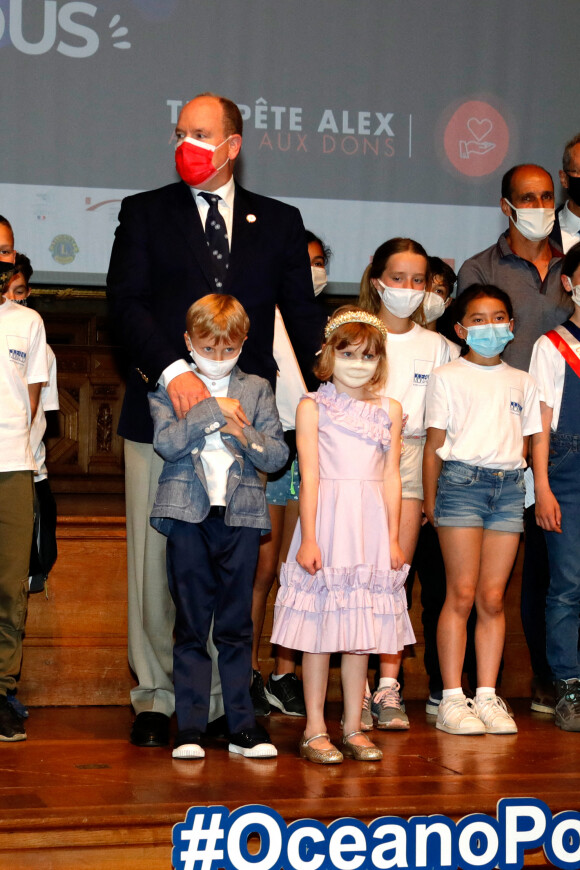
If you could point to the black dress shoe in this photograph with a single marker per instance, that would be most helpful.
(150, 729)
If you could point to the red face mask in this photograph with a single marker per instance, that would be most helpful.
(193, 161)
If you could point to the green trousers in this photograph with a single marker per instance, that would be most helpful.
(16, 523)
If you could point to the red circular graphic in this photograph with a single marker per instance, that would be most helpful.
(476, 139)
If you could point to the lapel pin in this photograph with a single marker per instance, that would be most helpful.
(251, 218)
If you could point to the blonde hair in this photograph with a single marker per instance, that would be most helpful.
(353, 333)
(369, 299)
(218, 316)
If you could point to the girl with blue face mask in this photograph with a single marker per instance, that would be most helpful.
(479, 416)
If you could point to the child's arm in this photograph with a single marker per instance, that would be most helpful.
(308, 556)
(431, 470)
(262, 440)
(172, 438)
(392, 484)
(548, 513)
(34, 397)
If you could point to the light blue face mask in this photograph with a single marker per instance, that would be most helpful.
(488, 339)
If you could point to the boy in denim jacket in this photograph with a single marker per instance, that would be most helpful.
(210, 503)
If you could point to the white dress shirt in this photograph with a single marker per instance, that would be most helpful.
(569, 227)
(215, 456)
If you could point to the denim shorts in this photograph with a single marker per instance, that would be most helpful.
(472, 496)
(284, 489)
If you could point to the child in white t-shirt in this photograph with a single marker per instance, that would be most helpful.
(480, 413)
(555, 365)
(393, 287)
(44, 549)
(23, 369)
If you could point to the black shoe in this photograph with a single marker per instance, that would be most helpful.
(568, 706)
(11, 725)
(188, 744)
(258, 695)
(252, 743)
(150, 729)
(17, 706)
(286, 694)
(217, 728)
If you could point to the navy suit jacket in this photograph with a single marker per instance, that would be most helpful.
(556, 234)
(160, 265)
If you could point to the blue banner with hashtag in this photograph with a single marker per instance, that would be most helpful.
(213, 838)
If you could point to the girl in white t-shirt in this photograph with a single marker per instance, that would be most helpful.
(479, 415)
(393, 287)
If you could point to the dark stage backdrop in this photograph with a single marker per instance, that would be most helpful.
(376, 118)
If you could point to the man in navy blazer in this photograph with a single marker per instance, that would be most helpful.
(160, 264)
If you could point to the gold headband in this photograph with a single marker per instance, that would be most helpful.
(355, 317)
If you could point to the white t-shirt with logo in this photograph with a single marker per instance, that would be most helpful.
(485, 412)
(411, 357)
(22, 362)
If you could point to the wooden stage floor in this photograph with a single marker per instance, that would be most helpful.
(77, 794)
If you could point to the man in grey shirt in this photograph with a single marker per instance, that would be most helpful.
(523, 261)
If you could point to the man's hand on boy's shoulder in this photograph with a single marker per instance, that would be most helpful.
(185, 391)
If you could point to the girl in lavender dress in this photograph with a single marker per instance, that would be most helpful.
(342, 588)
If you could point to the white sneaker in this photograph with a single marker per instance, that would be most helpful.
(493, 713)
(458, 715)
(188, 750)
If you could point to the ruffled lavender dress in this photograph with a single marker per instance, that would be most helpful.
(356, 602)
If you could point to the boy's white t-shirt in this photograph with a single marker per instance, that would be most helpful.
(48, 402)
(411, 357)
(23, 361)
(548, 368)
(485, 412)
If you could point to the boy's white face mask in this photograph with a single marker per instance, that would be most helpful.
(214, 368)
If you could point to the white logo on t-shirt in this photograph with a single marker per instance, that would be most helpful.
(17, 349)
(423, 369)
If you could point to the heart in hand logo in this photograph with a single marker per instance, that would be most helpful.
(476, 138)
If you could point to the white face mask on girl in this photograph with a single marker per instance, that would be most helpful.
(354, 372)
(433, 306)
(574, 290)
(400, 301)
(319, 279)
(213, 368)
(534, 224)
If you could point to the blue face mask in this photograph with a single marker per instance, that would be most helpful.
(488, 339)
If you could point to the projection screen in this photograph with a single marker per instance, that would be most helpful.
(376, 118)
